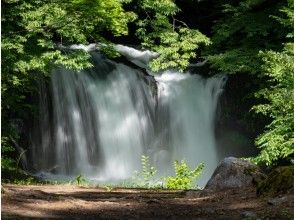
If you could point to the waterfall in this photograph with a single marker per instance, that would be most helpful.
(188, 104)
(100, 121)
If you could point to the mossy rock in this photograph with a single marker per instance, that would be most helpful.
(280, 180)
(234, 173)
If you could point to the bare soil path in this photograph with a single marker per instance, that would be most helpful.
(73, 202)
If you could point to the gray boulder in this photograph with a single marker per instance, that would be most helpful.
(234, 173)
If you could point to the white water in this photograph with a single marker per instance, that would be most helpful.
(104, 119)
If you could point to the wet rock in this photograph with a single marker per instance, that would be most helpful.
(280, 200)
(149, 80)
(248, 214)
(234, 173)
(280, 180)
(209, 211)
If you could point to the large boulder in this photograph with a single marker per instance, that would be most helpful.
(234, 173)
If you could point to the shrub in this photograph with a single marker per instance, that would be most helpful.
(184, 177)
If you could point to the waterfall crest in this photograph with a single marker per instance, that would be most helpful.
(103, 119)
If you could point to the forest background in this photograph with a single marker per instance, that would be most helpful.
(251, 40)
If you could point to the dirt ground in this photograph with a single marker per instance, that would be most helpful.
(73, 202)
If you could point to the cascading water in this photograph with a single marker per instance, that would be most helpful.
(189, 102)
(103, 119)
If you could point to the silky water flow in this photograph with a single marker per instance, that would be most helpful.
(99, 122)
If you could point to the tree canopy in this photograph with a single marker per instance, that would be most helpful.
(256, 38)
(278, 140)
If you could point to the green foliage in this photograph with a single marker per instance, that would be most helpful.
(108, 188)
(245, 28)
(10, 170)
(7, 161)
(35, 30)
(148, 171)
(247, 40)
(80, 180)
(177, 48)
(277, 142)
(237, 61)
(184, 177)
(160, 31)
(145, 177)
(17, 176)
(26, 181)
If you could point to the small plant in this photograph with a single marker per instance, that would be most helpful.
(148, 171)
(184, 176)
(145, 176)
(108, 188)
(80, 180)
